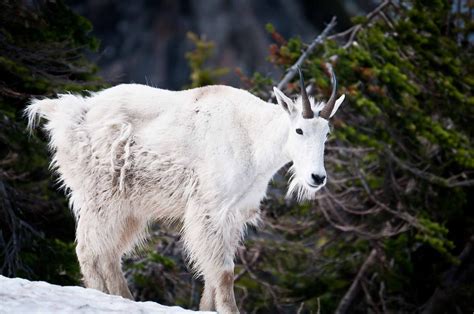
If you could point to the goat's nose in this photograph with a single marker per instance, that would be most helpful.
(318, 179)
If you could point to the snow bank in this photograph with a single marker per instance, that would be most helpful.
(22, 296)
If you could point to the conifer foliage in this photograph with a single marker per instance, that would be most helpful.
(42, 46)
(394, 227)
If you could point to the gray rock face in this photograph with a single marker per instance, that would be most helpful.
(22, 296)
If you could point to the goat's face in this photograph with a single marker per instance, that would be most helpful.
(309, 130)
(305, 146)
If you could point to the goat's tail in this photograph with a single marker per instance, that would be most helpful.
(62, 113)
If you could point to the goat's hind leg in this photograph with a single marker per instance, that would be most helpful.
(114, 279)
(208, 302)
(89, 238)
(89, 263)
(101, 242)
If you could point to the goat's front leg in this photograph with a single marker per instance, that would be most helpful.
(221, 297)
(211, 246)
(225, 299)
(208, 297)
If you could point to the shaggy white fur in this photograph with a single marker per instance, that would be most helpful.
(132, 154)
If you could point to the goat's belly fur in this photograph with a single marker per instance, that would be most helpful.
(104, 173)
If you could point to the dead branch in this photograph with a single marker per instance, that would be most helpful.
(346, 301)
(368, 297)
(430, 177)
(300, 308)
(270, 287)
(382, 297)
(353, 30)
(451, 280)
(294, 68)
(240, 253)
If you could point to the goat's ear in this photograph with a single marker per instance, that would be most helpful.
(284, 101)
(337, 104)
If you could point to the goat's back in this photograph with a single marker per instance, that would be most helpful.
(130, 140)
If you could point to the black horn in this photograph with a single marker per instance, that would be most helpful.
(307, 111)
(327, 110)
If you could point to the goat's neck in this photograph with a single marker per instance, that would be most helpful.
(270, 138)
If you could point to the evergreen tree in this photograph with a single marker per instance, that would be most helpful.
(42, 45)
(394, 228)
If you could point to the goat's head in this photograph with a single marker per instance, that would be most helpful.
(309, 129)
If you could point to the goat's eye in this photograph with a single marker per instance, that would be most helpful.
(299, 131)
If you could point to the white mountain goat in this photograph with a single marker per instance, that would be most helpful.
(133, 154)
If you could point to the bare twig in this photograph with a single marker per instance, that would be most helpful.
(387, 20)
(300, 308)
(317, 41)
(451, 280)
(382, 297)
(368, 297)
(353, 30)
(432, 178)
(270, 287)
(255, 257)
(346, 301)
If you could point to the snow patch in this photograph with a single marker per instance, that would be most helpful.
(22, 296)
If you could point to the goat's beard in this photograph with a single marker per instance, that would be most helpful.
(299, 188)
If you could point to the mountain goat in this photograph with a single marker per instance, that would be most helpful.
(132, 154)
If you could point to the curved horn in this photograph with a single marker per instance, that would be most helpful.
(327, 110)
(307, 111)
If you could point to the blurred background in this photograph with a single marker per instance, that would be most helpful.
(393, 230)
(145, 41)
